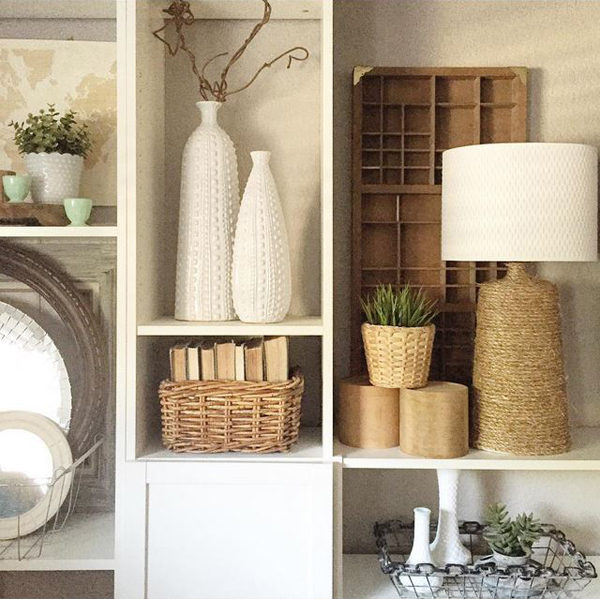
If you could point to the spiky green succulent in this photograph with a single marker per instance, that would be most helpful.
(509, 537)
(406, 307)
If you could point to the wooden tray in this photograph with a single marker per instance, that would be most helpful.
(404, 118)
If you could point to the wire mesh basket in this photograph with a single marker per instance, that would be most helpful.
(556, 570)
(31, 546)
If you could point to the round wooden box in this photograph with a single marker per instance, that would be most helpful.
(434, 420)
(368, 416)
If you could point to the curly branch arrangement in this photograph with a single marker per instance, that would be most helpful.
(181, 16)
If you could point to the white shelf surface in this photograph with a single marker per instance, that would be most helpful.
(33, 232)
(58, 9)
(85, 543)
(292, 326)
(309, 448)
(363, 579)
(250, 9)
(584, 455)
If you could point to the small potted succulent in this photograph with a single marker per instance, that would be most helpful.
(511, 541)
(54, 146)
(398, 337)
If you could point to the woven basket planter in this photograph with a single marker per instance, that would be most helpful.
(222, 416)
(398, 357)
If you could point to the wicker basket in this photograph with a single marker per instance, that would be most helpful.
(398, 357)
(221, 416)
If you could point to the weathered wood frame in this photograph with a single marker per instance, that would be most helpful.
(31, 268)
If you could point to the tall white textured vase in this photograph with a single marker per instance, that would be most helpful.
(208, 210)
(262, 287)
(447, 547)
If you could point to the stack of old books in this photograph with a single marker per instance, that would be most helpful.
(257, 360)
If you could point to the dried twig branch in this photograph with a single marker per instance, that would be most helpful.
(180, 15)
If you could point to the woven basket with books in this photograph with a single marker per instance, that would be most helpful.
(228, 411)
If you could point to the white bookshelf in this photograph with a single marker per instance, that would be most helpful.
(302, 326)
(58, 232)
(363, 579)
(87, 542)
(583, 456)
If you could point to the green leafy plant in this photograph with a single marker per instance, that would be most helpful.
(50, 132)
(513, 538)
(404, 308)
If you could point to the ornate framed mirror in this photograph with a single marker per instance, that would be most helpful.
(31, 268)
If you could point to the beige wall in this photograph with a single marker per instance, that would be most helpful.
(559, 42)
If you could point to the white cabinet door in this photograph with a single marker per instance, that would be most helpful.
(239, 531)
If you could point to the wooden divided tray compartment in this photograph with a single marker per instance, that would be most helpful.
(404, 118)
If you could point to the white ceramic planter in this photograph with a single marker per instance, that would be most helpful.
(262, 287)
(54, 176)
(207, 213)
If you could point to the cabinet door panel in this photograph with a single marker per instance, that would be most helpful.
(257, 531)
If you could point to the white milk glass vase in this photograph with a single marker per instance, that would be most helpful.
(262, 287)
(447, 547)
(208, 210)
(421, 585)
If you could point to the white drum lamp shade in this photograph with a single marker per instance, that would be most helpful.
(514, 203)
(520, 202)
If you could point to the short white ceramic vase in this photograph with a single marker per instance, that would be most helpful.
(54, 176)
(262, 287)
(447, 547)
(208, 210)
(421, 585)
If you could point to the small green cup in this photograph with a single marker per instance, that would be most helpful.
(78, 211)
(16, 187)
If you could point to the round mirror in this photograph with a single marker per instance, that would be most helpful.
(33, 450)
(34, 375)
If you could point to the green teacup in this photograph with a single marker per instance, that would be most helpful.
(78, 211)
(16, 187)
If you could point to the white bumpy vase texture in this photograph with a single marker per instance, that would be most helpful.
(208, 209)
(447, 547)
(421, 585)
(262, 287)
(54, 176)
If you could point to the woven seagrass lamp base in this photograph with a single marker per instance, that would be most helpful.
(519, 400)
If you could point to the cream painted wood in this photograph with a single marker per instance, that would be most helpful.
(292, 326)
(249, 9)
(86, 543)
(255, 531)
(327, 221)
(34, 232)
(363, 579)
(583, 456)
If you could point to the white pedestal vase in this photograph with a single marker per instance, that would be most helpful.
(208, 209)
(421, 585)
(447, 547)
(262, 286)
(54, 176)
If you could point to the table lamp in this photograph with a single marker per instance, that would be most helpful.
(516, 203)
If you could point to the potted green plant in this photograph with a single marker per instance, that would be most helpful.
(511, 541)
(398, 336)
(54, 147)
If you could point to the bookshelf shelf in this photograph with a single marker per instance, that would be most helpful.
(35, 232)
(363, 579)
(309, 448)
(584, 456)
(294, 326)
(85, 543)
